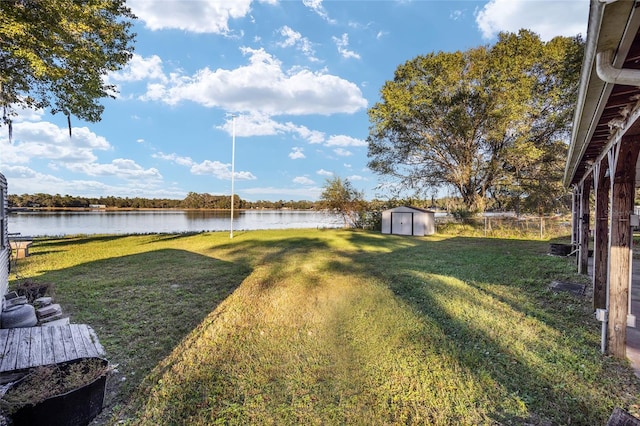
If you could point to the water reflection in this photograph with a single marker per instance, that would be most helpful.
(161, 221)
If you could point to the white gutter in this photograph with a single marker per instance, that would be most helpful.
(580, 131)
(609, 74)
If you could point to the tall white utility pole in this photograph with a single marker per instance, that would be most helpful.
(233, 168)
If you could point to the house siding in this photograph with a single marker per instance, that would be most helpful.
(5, 250)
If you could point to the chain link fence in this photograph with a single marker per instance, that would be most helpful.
(530, 227)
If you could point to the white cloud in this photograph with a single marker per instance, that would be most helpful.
(256, 124)
(210, 16)
(548, 18)
(45, 140)
(342, 152)
(24, 180)
(296, 153)
(120, 167)
(263, 125)
(291, 37)
(19, 171)
(51, 146)
(303, 180)
(317, 7)
(219, 170)
(323, 172)
(155, 91)
(139, 68)
(295, 39)
(264, 87)
(356, 178)
(27, 115)
(343, 43)
(456, 14)
(359, 26)
(175, 158)
(312, 136)
(343, 140)
(207, 167)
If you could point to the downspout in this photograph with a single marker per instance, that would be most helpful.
(609, 74)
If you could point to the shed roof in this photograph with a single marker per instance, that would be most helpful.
(412, 208)
(604, 111)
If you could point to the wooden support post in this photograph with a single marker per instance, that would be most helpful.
(601, 238)
(583, 236)
(575, 214)
(622, 194)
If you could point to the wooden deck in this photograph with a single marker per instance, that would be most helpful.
(22, 348)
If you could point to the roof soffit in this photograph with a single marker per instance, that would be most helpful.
(611, 27)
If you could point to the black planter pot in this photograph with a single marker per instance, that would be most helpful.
(75, 408)
(557, 249)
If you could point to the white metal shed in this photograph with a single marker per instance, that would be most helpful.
(406, 220)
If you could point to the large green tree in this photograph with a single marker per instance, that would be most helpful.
(467, 120)
(54, 54)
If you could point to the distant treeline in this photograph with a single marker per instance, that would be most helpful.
(193, 200)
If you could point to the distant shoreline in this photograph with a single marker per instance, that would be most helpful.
(128, 209)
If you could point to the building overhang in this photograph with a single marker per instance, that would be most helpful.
(608, 104)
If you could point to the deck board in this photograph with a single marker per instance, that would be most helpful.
(35, 352)
(78, 342)
(24, 347)
(92, 337)
(69, 345)
(3, 344)
(47, 346)
(59, 354)
(28, 347)
(10, 351)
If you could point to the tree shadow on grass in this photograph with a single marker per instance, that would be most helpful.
(141, 306)
(153, 300)
(48, 245)
(542, 371)
(61, 242)
(272, 254)
(539, 372)
(76, 239)
(535, 370)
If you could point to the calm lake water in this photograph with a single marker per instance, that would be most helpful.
(163, 221)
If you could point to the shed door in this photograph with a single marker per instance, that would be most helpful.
(402, 223)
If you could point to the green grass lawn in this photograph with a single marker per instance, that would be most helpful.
(335, 327)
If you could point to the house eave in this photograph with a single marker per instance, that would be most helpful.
(612, 26)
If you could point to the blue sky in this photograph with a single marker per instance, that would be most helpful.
(298, 75)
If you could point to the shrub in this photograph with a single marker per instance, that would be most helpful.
(33, 290)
